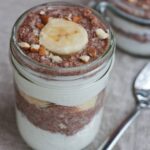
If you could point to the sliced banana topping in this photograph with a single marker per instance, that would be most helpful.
(44, 104)
(24, 45)
(63, 37)
(85, 58)
(35, 47)
(42, 12)
(34, 101)
(56, 59)
(89, 104)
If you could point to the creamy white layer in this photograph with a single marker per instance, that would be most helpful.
(132, 46)
(128, 26)
(40, 139)
(70, 95)
(129, 44)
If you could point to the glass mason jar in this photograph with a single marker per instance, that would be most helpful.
(130, 25)
(59, 108)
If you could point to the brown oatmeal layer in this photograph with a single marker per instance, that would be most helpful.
(139, 8)
(145, 38)
(144, 4)
(56, 118)
(33, 23)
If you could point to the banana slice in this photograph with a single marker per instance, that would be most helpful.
(34, 101)
(63, 37)
(89, 104)
(43, 104)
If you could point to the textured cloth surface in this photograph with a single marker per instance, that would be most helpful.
(120, 101)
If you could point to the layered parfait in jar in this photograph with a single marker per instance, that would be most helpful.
(130, 20)
(62, 55)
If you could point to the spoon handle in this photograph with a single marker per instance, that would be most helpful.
(113, 139)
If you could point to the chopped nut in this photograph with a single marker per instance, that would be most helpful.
(77, 19)
(92, 52)
(44, 19)
(56, 59)
(69, 17)
(62, 126)
(43, 51)
(24, 45)
(85, 58)
(35, 47)
(102, 34)
(40, 25)
(42, 12)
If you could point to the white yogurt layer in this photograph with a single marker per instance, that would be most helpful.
(129, 44)
(132, 46)
(66, 95)
(44, 140)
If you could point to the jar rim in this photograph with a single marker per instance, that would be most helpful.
(21, 54)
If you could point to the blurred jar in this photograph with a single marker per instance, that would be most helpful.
(131, 23)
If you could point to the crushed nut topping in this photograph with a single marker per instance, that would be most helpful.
(35, 47)
(69, 17)
(30, 32)
(76, 19)
(55, 59)
(62, 126)
(43, 51)
(92, 52)
(24, 45)
(85, 58)
(102, 34)
(42, 12)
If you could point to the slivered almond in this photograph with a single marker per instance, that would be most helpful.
(24, 45)
(56, 59)
(85, 58)
(102, 34)
(69, 17)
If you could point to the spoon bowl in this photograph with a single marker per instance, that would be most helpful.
(142, 87)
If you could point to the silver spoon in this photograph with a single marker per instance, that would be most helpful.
(141, 88)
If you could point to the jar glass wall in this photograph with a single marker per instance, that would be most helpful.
(56, 107)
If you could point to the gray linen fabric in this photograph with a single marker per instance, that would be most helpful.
(120, 101)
